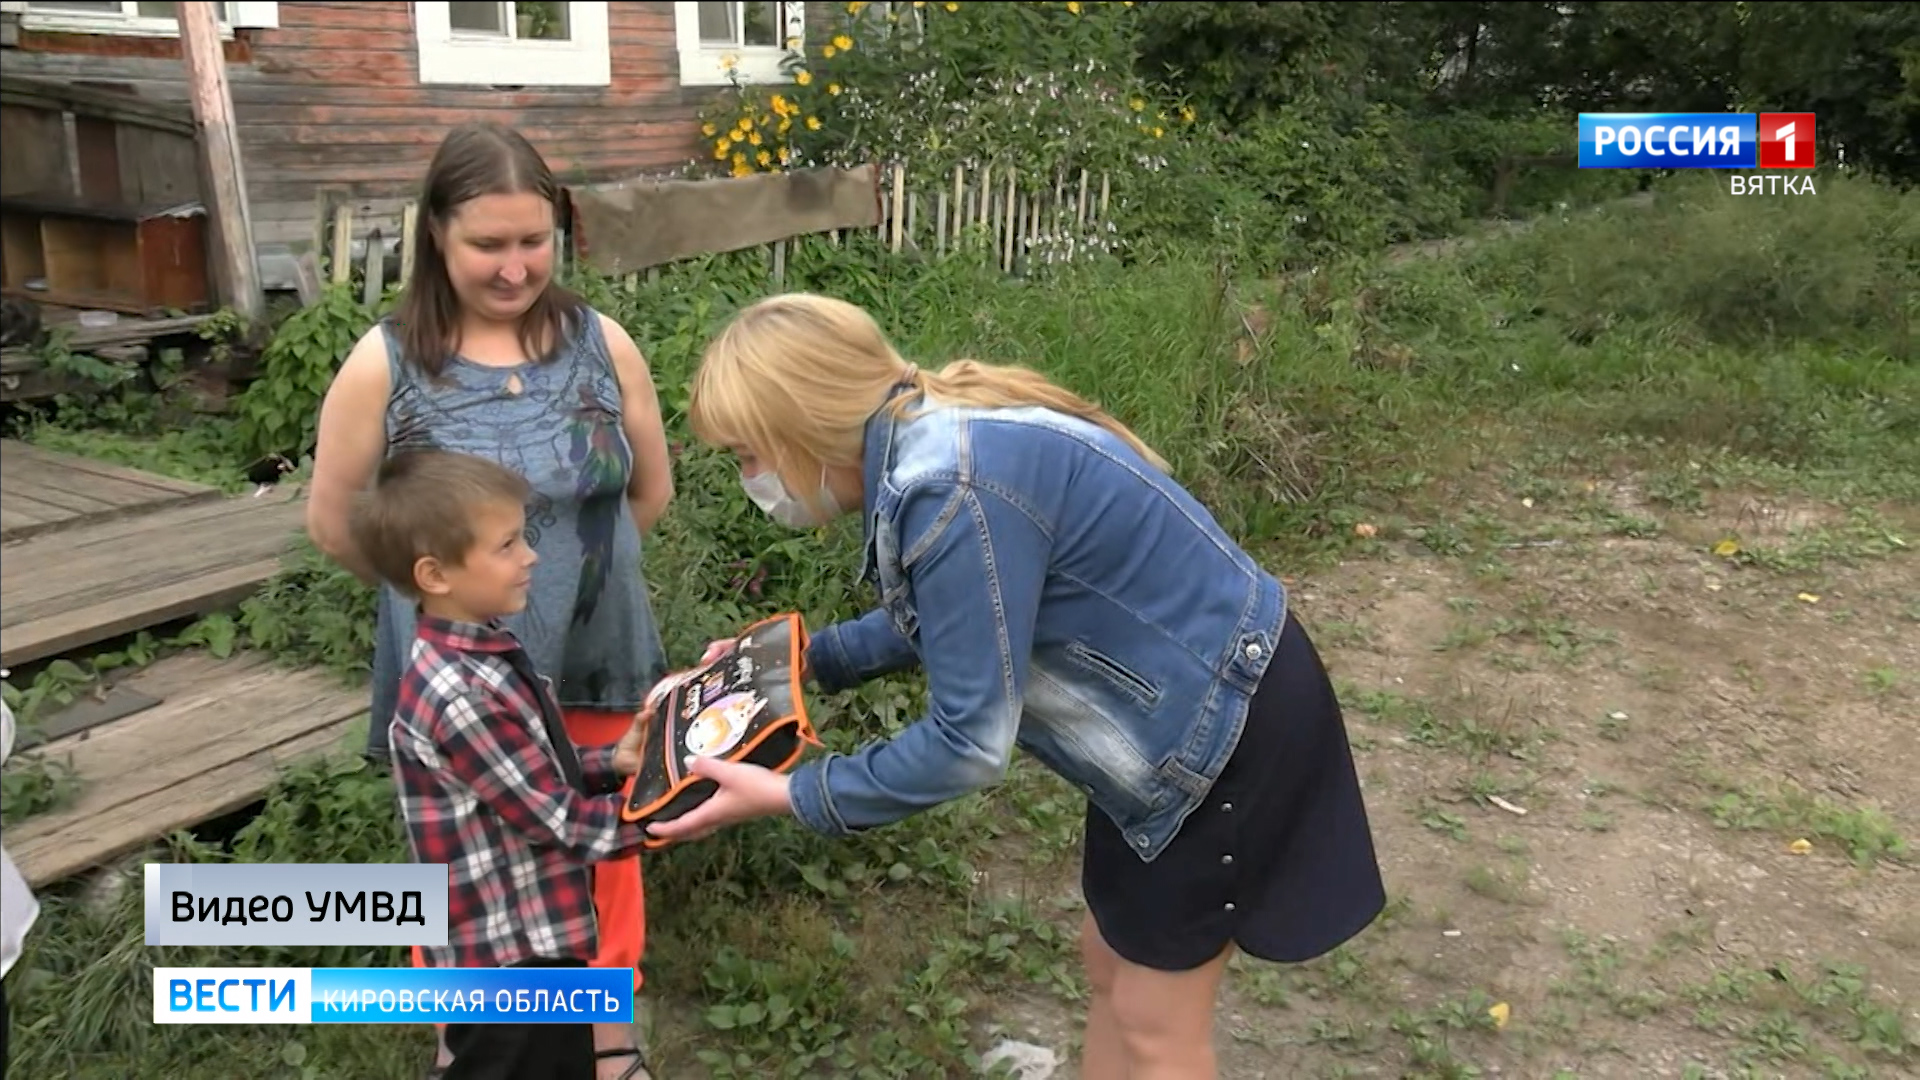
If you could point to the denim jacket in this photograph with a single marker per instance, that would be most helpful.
(1061, 595)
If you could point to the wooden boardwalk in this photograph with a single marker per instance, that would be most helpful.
(69, 588)
(45, 490)
(213, 744)
(188, 738)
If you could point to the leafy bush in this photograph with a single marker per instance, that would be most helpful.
(1044, 92)
(1027, 86)
(279, 412)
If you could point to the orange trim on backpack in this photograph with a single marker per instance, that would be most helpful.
(662, 790)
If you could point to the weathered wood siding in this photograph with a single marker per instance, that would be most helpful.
(330, 106)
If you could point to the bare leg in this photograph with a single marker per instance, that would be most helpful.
(618, 899)
(1164, 1019)
(615, 1036)
(1104, 1055)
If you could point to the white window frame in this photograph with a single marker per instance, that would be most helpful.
(127, 23)
(911, 19)
(705, 65)
(448, 58)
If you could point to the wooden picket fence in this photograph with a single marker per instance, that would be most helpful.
(1062, 217)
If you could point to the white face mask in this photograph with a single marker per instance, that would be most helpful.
(771, 496)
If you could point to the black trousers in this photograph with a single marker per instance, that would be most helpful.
(521, 1051)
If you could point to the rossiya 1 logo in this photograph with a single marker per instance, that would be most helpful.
(1733, 141)
(1786, 140)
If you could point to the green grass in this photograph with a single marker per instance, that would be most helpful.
(1702, 342)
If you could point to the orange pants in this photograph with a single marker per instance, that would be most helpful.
(618, 899)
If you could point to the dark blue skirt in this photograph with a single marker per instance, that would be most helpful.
(1278, 859)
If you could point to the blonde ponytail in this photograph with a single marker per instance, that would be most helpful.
(972, 384)
(793, 378)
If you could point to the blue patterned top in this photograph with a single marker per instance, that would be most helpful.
(588, 623)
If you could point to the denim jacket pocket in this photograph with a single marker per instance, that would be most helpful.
(1114, 672)
(891, 581)
(900, 611)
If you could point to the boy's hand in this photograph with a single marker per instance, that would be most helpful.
(626, 756)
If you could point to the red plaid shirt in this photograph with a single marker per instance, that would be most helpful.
(483, 766)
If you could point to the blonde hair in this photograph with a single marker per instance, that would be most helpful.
(795, 378)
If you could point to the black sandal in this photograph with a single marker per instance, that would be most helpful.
(638, 1069)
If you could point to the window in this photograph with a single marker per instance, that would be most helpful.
(888, 18)
(513, 44)
(757, 36)
(140, 18)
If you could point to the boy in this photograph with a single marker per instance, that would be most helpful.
(488, 781)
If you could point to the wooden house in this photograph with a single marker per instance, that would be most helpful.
(343, 103)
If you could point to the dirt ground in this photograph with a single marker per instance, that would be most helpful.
(1589, 752)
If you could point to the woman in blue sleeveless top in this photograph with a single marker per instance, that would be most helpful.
(487, 355)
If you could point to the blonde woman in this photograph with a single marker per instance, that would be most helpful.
(1061, 593)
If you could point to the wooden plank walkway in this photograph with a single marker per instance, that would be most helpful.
(68, 588)
(93, 552)
(42, 490)
(212, 746)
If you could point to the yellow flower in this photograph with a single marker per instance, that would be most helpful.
(779, 105)
(763, 158)
(1072, 7)
(1186, 113)
(919, 3)
(854, 6)
(803, 77)
(784, 125)
(950, 6)
(1157, 132)
(833, 89)
(813, 123)
(720, 150)
(827, 51)
(755, 138)
(1136, 104)
(739, 160)
(708, 130)
(786, 155)
(743, 169)
(843, 42)
(729, 60)
(725, 144)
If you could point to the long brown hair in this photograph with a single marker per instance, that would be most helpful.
(481, 158)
